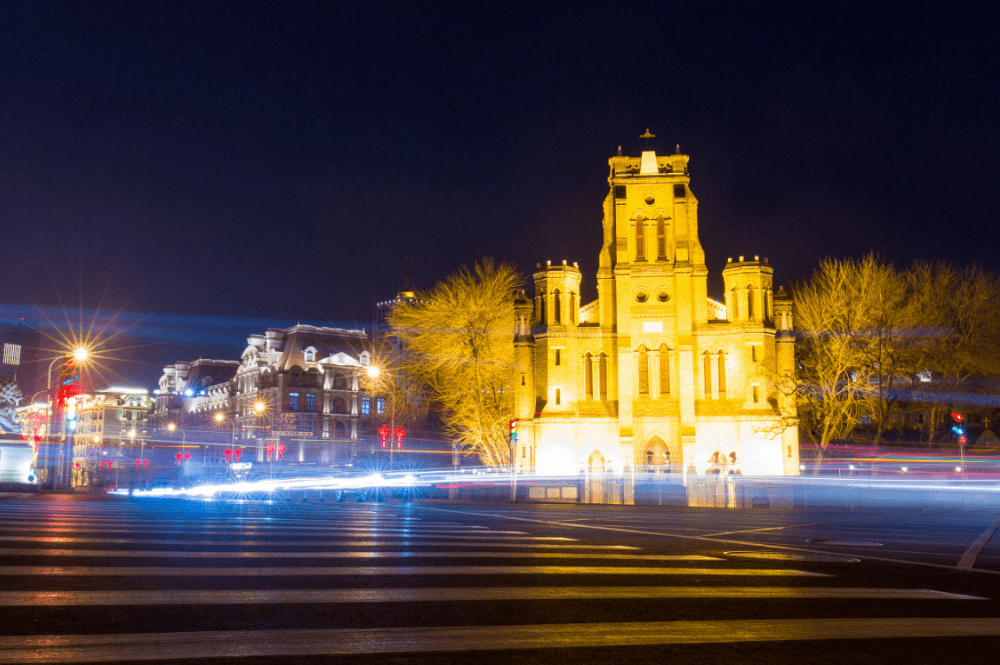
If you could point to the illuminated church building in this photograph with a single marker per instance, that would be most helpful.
(653, 375)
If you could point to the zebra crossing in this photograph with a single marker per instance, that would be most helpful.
(118, 581)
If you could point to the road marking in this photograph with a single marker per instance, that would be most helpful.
(263, 643)
(478, 537)
(968, 560)
(312, 543)
(129, 554)
(194, 529)
(286, 571)
(775, 528)
(726, 541)
(340, 596)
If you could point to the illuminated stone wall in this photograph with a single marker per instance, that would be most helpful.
(653, 375)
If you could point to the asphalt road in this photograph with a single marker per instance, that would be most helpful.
(122, 580)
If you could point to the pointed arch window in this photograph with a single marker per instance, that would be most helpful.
(572, 308)
(588, 375)
(602, 376)
(707, 372)
(722, 375)
(664, 370)
(736, 304)
(540, 308)
(643, 366)
(556, 307)
(661, 238)
(751, 314)
(640, 239)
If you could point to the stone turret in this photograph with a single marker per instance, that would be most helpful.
(749, 297)
(557, 295)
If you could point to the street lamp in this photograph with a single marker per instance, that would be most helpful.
(79, 354)
(171, 427)
(221, 418)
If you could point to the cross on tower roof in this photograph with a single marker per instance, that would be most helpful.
(647, 136)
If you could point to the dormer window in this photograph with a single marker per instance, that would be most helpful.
(310, 355)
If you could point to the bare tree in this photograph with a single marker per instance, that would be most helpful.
(829, 385)
(458, 339)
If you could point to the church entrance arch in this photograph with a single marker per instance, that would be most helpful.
(596, 478)
(656, 456)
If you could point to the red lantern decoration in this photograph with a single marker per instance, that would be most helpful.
(145, 463)
(270, 449)
(238, 452)
(187, 456)
(383, 432)
(281, 451)
(400, 433)
(138, 463)
(227, 452)
(178, 456)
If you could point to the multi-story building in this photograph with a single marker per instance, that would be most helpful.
(110, 430)
(654, 373)
(297, 390)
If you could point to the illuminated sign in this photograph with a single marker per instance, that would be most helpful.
(301, 424)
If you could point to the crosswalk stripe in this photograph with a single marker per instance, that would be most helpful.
(456, 594)
(277, 528)
(472, 542)
(352, 555)
(310, 642)
(283, 571)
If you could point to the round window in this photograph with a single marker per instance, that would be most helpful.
(663, 295)
(649, 199)
(641, 295)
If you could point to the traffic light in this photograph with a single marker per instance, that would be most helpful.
(69, 372)
(957, 427)
(69, 380)
(513, 431)
(71, 413)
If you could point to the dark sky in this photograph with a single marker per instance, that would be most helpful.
(278, 160)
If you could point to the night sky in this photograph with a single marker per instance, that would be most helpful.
(279, 160)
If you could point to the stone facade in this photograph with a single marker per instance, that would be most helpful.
(653, 375)
(298, 388)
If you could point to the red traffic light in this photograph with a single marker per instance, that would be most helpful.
(962, 440)
(956, 416)
(513, 425)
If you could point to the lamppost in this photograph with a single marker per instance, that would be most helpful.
(60, 469)
(140, 464)
(181, 456)
(375, 374)
(221, 418)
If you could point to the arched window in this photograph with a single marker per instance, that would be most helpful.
(751, 314)
(707, 371)
(339, 405)
(572, 308)
(643, 373)
(310, 355)
(540, 308)
(736, 304)
(588, 375)
(661, 238)
(602, 376)
(664, 370)
(640, 239)
(339, 382)
(556, 307)
(722, 375)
